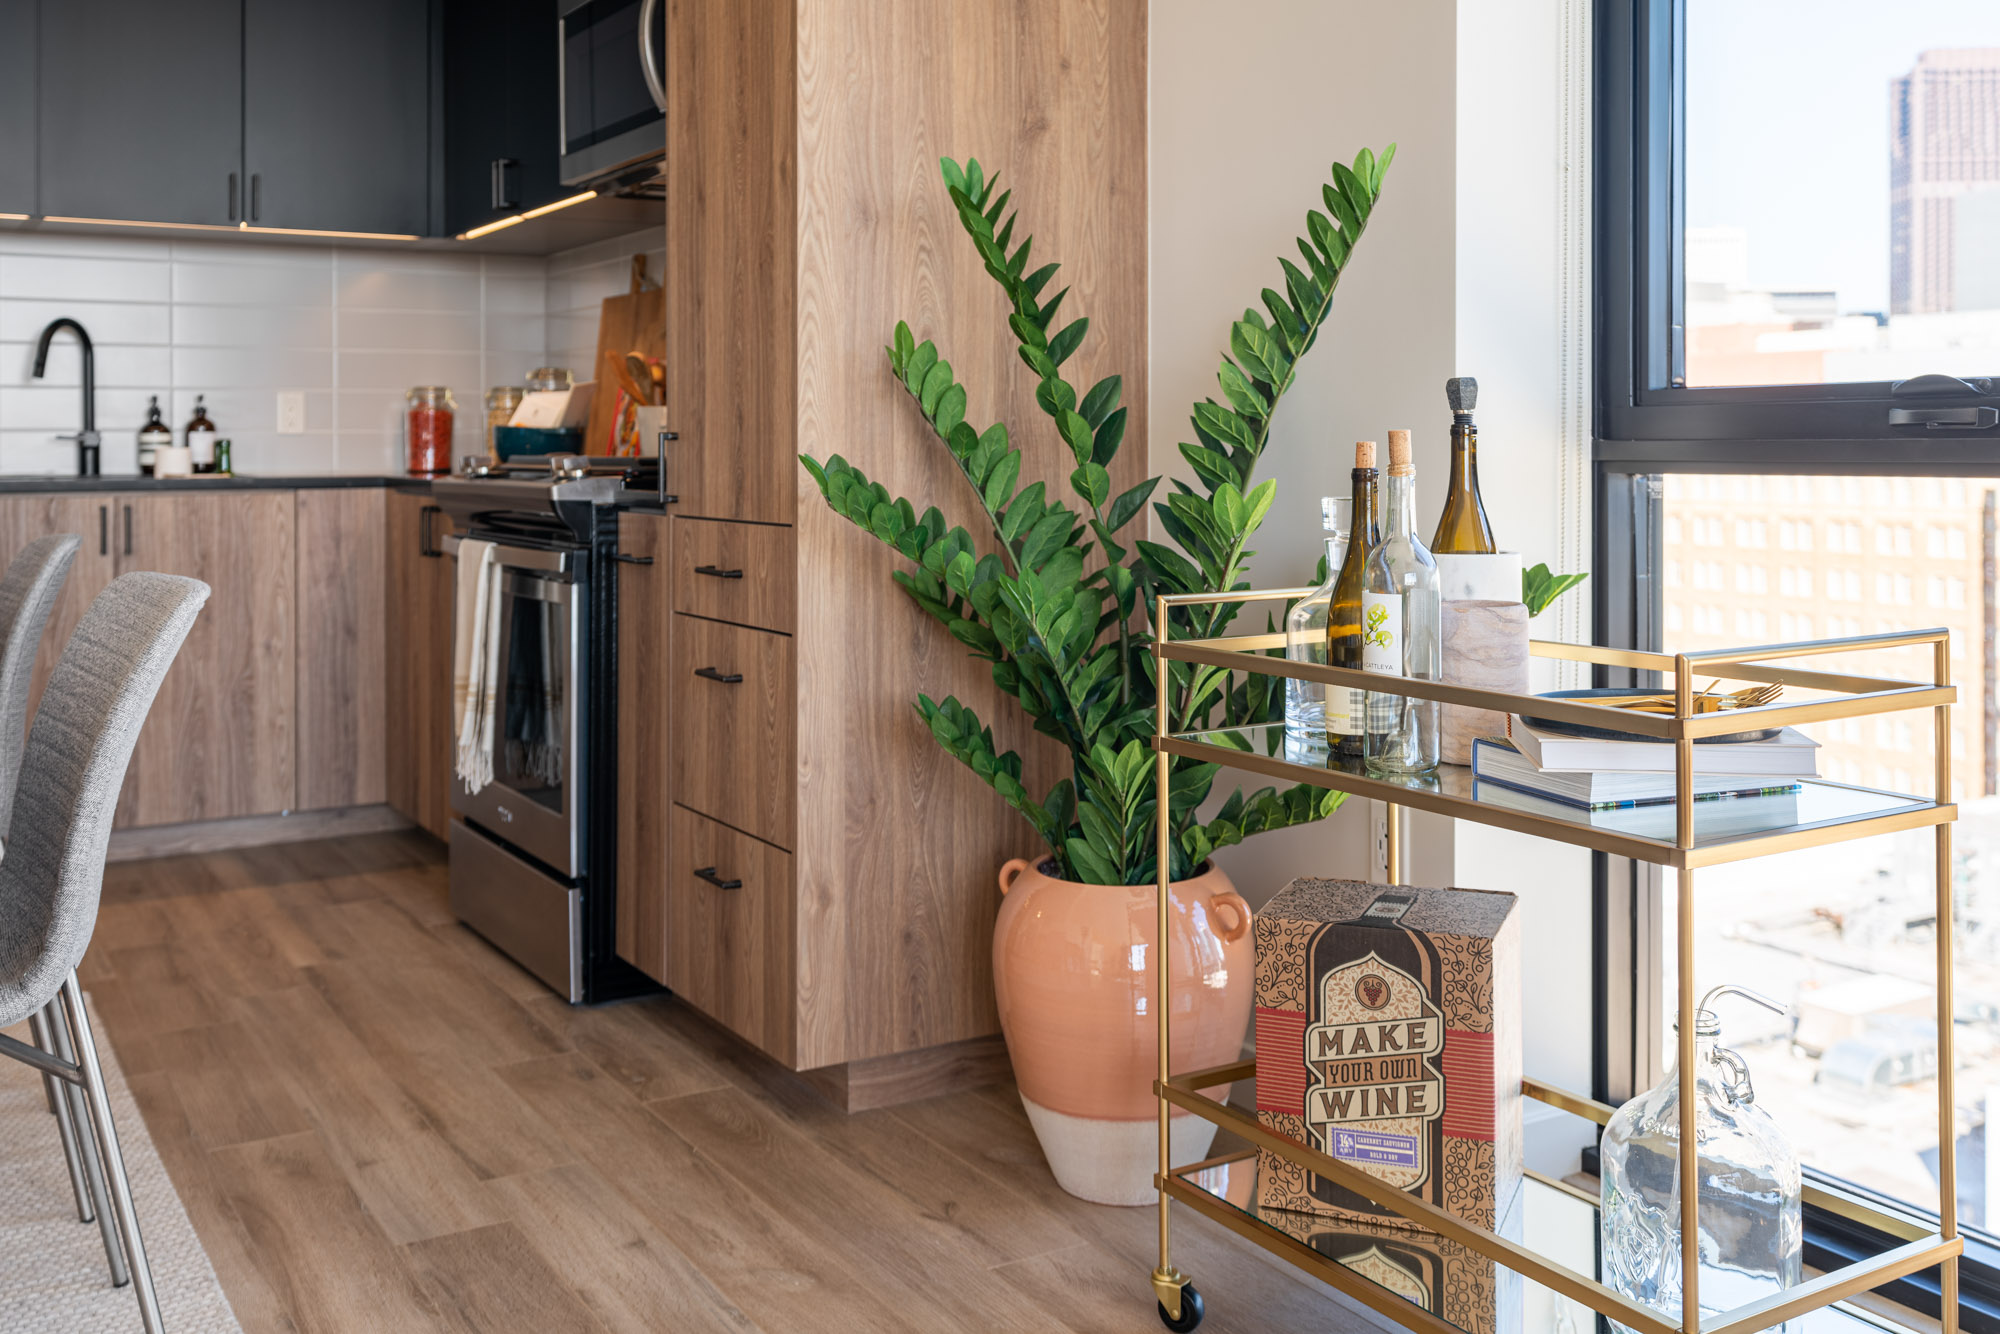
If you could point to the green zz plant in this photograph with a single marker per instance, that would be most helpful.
(1055, 594)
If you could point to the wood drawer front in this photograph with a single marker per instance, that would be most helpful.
(733, 738)
(729, 930)
(740, 572)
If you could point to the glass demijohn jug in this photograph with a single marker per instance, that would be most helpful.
(1305, 634)
(1749, 1185)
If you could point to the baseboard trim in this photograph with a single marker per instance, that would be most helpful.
(911, 1076)
(251, 831)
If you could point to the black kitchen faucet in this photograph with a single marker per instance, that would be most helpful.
(88, 451)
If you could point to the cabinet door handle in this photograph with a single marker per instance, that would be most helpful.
(427, 531)
(708, 873)
(635, 560)
(717, 572)
(104, 530)
(256, 195)
(128, 530)
(503, 194)
(232, 196)
(727, 678)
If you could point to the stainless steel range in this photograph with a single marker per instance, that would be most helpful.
(532, 850)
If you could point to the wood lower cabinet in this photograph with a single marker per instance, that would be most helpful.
(729, 930)
(644, 623)
(25, 518)
(417, 606)
(342, 555)
(737, 572)
(733, 739)
(220, 740)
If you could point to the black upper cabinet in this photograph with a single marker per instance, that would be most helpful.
(501, 154)
(17, 106)
(141, 109)
(336, 113)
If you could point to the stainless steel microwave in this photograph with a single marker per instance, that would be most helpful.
(614, 94)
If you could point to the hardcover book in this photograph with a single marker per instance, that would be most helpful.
(1389, 1038)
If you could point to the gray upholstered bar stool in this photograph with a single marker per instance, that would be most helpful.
(53, 872)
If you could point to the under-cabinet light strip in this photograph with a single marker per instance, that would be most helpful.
(519, 218)
(239, 228)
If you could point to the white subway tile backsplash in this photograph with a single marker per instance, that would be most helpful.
(77, 278)
(239, 321)
(252, 326)
(108, 321)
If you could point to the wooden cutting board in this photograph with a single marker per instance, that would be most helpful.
(634, 322)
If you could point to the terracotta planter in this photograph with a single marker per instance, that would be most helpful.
(1073, 967)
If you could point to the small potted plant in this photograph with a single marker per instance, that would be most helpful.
(1054, 594)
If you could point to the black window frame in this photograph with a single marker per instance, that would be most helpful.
(1646, 425)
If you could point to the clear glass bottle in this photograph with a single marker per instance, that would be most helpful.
(1749, 1185)
(1400, 632)
(1305, 629)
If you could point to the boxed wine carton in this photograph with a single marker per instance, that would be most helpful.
(1389, 1038)
(1454, 1282)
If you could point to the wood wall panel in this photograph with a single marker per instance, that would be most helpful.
(343, 551)
(221, 739)
(644, 623)
(899, 844)
(730, 211)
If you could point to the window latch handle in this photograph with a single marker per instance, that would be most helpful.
(1946, 419)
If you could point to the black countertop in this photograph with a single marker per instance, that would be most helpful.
(19, 485)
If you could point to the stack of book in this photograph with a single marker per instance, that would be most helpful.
(1627, 783)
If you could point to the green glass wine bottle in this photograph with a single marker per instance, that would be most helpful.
(1347, 710)
(1462, 528)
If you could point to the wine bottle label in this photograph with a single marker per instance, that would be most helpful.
(1382, 633)
(1344, 710)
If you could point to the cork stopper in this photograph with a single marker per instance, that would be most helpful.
(1399, 455)
(1461, 393)
(1364, 453)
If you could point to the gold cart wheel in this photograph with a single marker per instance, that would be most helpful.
(1191, 1311)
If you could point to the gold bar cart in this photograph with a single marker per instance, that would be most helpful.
(1829, 812)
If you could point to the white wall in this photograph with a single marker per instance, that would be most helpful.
(1251, 103)
(1472, 264)
(351, 328)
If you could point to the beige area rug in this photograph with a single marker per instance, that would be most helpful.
(53, 1276)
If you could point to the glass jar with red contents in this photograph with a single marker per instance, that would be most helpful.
(431, 410)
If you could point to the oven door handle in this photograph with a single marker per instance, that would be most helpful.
(519, 558)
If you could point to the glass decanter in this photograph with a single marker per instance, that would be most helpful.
(1305, 633)
(1749, 1185)
(1401, 634)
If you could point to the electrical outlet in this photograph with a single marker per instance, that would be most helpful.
(1378, 841)
(291, 412)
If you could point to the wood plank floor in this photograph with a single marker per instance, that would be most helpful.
(377, 1122)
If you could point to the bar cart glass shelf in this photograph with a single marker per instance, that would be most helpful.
(1686, 836)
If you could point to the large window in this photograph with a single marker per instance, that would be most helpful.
(1798, 421)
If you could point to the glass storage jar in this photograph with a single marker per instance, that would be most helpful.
(547, 378)
(1747, 1175)
(501, 400)
(431, 412)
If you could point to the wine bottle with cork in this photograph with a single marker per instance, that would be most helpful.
(1399, 629)
(1462, 527)
(1345, 708)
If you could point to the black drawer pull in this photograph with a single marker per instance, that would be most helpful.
(717, 572)
(727, 678)
(708, 873)
(635, 560)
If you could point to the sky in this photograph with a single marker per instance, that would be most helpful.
(1788, 128)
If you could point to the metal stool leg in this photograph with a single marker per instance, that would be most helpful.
(87, 1152)
(38, 1024)
(99, 1099)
